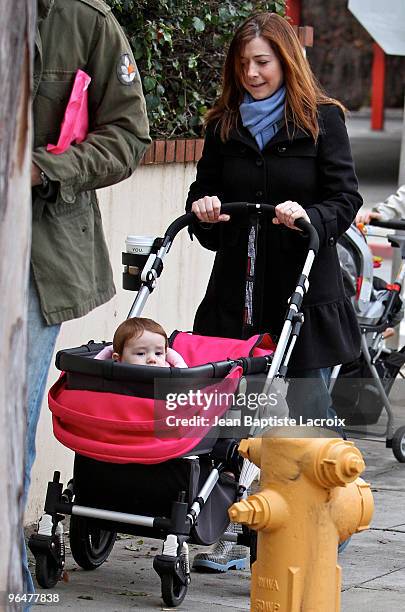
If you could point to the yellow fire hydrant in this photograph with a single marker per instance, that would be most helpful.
(310, 499)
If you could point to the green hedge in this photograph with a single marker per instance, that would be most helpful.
(179, 47)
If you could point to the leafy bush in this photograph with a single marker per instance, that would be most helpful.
(179, 47)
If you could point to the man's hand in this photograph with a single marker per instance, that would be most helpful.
(365, 216)
(35, 175)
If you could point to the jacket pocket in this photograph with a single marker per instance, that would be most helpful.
(297, 148)
(61, 208)
(69, 250)
(49, 109)
(231, 149)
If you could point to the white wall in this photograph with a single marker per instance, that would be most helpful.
(144, 204)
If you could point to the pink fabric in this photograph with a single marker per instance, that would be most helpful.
(75, 124)
(105, 353)
(197, 350)
(125, 429)
(173, 358)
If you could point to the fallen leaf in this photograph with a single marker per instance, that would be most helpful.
(131, 547)
(124, 536)
(134, 593)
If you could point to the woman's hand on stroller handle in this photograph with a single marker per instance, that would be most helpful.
(208, 210)
(239, 208)
(288, 213)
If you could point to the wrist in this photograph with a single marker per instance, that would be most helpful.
(44, 179)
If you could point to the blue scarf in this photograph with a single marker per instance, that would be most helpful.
(263, 117)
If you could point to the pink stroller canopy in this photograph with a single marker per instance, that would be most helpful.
(120, 428)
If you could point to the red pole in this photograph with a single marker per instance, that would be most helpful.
(377, 88)
(293, 11)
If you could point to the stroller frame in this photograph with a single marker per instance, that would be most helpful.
(172, 565)
(372, 342)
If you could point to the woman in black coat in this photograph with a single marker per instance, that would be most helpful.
(306, 169)
(274, 137)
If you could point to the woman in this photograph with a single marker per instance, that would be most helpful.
(274, 137)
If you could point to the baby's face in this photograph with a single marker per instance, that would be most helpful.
(147, 349)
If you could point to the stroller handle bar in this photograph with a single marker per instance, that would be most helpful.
(245, 207)
(395, 225)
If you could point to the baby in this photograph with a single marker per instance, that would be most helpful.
(141, 341)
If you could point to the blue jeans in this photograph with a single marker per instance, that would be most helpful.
(308, 396)
(41, 344)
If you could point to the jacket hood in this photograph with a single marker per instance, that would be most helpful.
(43, 8)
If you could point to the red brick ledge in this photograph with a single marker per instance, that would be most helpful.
(173, 151)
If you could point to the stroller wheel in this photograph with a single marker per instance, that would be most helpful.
(173, 591)
(398, 444)
(47, 570)
(90, 545)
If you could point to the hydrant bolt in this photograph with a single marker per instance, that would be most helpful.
(242, 512)
(338, 464)
(354, 465)
(251, 449)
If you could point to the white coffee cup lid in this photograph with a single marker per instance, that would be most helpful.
(140, 240)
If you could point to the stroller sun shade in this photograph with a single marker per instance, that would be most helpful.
(125, 426)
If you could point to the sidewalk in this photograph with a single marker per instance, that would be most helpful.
(373, 564)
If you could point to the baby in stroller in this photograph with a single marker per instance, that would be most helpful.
(142, 341)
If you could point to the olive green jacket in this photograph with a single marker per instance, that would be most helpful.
(69, 255)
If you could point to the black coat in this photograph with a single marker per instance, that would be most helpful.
(321, 178)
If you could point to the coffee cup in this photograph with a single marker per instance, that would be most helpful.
(139, 245)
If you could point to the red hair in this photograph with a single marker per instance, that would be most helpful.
(133, 328)
(303, 92)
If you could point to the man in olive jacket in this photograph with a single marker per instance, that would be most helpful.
(70, 269)
(69, 257)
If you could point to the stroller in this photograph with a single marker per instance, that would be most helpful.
(107, 412)
(360, 390)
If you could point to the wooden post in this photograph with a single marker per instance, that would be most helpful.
(293, 11)
(17, 21)
(378, 87)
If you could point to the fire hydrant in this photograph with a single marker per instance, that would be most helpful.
(310, 499)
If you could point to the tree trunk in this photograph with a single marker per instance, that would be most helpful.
(17, 21)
